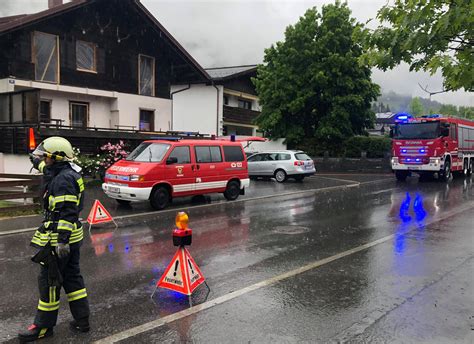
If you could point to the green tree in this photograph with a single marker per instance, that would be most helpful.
(416, 107)
(466, 112)
(428, 35)
(448, 110)
(311, 86)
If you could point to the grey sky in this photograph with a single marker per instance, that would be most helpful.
(228, 32)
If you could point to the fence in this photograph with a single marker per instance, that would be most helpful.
(15, 187)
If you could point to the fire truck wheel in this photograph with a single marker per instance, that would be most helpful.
(467, 168)
(123, 202)
(446, 175)
(280, 176)
(401, 175)
(160, 198)
(232, 191)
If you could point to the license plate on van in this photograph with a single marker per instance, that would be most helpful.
(114, 189)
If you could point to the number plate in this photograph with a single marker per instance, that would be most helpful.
(113, 189)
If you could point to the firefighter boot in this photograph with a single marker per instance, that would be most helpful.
(34, 333)
(81, 325)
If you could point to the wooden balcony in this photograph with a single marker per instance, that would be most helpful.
(14, 137)
(239, 116)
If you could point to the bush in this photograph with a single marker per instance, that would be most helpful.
(95, 165)
(376, 147)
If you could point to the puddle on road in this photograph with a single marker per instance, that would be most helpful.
(291, 230)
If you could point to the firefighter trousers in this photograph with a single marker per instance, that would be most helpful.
(73, 284)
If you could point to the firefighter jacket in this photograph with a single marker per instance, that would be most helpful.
(62, 203)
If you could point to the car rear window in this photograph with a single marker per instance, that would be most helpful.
(283, 156)
(233, 153)
(302, 156)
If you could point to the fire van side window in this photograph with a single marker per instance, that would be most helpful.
(233, 153)
(182, 154)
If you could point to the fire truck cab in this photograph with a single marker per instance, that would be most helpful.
(432, 144)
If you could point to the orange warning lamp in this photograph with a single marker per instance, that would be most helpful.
(182, 220)
(32, 141)
(182, 235)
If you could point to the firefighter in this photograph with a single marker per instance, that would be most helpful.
(58, 240)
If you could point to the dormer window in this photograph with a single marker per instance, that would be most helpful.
(86, 57)
(45, 56)
(146, 75)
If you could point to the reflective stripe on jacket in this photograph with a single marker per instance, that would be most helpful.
(62, 204)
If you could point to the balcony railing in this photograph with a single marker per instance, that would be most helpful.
(239, 115)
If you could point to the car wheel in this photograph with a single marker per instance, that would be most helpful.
(232, 191)
(280, 176)
(299, 178)
(123, 201)
(160, 198)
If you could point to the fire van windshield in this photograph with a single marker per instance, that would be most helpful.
(149, 152)
(425, 130)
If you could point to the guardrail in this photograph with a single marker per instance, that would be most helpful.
(17, 187)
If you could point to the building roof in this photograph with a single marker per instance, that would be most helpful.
(220, 73)
(12, 23)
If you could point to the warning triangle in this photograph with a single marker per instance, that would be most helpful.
(98, 214)
(182, 274)
(195, 275)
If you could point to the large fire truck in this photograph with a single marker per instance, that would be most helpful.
(432, 144)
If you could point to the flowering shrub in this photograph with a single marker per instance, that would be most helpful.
(112, 153)
(95, 165)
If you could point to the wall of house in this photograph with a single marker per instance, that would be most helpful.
(99, 107)
(119, 39)
(126, 110)
(14, 163)
(197, 109)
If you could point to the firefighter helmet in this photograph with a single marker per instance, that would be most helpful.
(56, 148)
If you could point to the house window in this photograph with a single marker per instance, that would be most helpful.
(45, 56)
(85, 57)
(245, 104)
(146, 75)
(226, 100)
(147, 120)
(78, 114)
(45, 111)
(4, 108)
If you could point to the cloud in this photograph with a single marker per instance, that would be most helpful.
(228, 33)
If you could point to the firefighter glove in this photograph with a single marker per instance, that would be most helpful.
(62, 250)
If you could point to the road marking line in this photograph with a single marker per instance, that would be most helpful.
(232, 295)
(338, 179)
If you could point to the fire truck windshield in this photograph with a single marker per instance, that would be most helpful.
(423, 130)
(149, 152)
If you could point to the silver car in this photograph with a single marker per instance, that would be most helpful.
(280, 165)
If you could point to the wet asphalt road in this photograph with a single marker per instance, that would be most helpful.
(411, 282)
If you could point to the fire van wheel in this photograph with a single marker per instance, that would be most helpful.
(280, 176)
(232, 191)
(160, 198)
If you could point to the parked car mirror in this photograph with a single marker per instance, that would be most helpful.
(171, 161)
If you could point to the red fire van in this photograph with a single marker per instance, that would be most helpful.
(159, 170)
